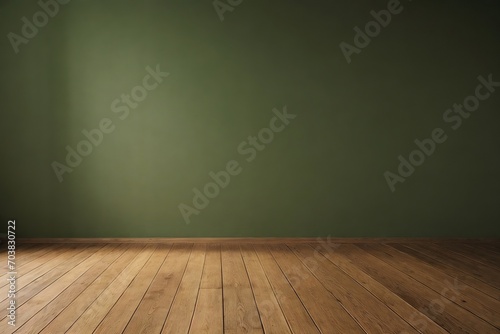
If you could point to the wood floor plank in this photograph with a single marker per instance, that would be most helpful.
(271, 315)
(22, 249)
(372, 315)
(477, 270)
(471, 299)
(326, 311)
(240, 310)
(94, 314)
(481, 250)
(19, 246)
(462, 276)
(212, 270)
(27, 287)
(27, 254)
(493, 248)
(72, 258)
(413, 316)
(117, 319)
(27, 310)
(182, 310)
(42, 256)
(58, 304)
(294, 311)
(74, 310)
(153, 309)
(450, 316)
(233, 270)
(265, 287)
(208, 315)
(487, 258)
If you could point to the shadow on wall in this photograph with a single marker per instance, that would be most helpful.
(59, 125)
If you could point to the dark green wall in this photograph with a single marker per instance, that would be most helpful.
(322, 175)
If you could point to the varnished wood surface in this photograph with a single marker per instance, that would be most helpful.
(267, 287)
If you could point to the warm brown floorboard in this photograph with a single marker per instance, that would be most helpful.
(474, 268)
(240, 312)
(28, 250)
(50, 311)
(487, 258)
(154, 307)
(473, 300)
(271, 316)
(65, 283)
(405, 310)
(492, 248)
(296, 315)
(372, 314)
(25, 260)
(119, 316)
(298, 288)
(182, 309)
(208, 315)
(448, 315)
(81, 303)
(327, 312)
(461, 275)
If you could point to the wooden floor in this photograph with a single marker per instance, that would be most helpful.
(255, 288)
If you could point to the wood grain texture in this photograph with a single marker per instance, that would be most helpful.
(406, 311)
(153, 309)
(471, 299)
(296, 314)
(327, 311)
(51, 310)
(79, 305)
(271, 316)
(181, 312)
(240, 310)
(368, 311)
(118, 317)
(208, 316)
(320, 286)
(430, 257)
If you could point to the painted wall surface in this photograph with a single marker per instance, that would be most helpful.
(180, 89)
